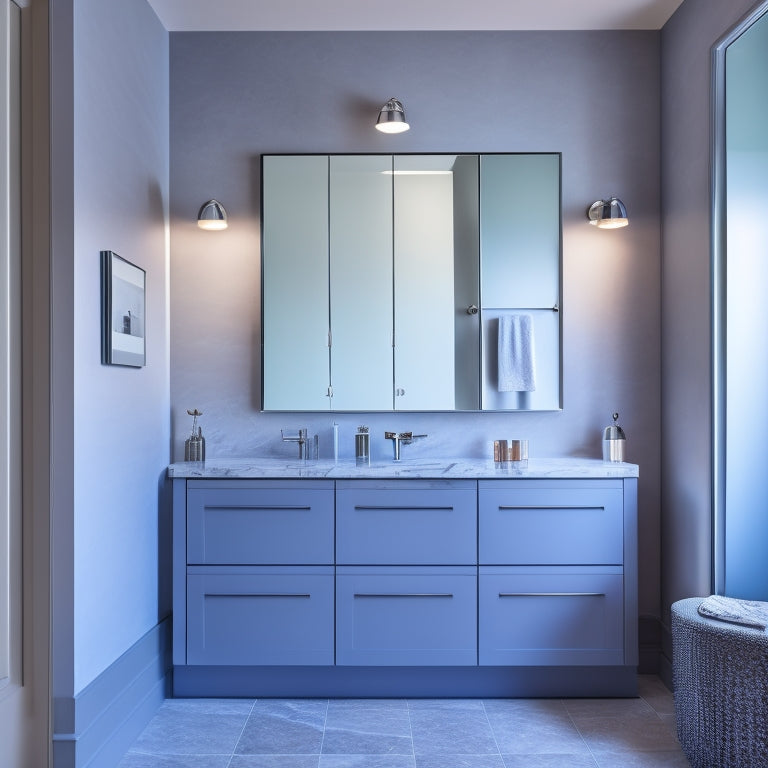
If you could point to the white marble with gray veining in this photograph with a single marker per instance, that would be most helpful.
(470, 469)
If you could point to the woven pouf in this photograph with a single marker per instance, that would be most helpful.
(721, 689)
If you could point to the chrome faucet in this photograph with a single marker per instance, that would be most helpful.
(401, 438)
(305, 445)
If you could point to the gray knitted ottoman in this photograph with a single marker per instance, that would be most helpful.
(721, 689)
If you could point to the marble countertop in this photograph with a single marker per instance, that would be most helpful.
(468, 469)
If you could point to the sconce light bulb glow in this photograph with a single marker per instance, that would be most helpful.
(611, 223)
(212, 224)
(392, 127)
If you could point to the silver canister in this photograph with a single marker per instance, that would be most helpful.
(194, 445)
(614, 441)
(362, 446)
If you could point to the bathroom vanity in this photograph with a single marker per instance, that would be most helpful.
(440, 578)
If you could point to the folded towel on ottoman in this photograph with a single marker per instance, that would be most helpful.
(748, 613)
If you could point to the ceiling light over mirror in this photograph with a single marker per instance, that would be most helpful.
(392, 118)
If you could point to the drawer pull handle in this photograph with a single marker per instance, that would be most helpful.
(257, 594)
(403, 594)
(553, 506)
(367, 508)
(551, 594)
(260, 507)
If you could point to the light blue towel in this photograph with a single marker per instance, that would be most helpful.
(517, 363)
(748, 613)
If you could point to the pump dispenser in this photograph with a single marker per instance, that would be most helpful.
(614, 441)
(194, 445)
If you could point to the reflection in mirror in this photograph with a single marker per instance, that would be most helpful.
(404, 267)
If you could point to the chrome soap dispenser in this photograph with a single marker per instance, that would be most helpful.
(614, 441)
(362, 446)
(194, 445)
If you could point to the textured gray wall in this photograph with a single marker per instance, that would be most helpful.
(110, 426)
(687, 40)
(594, 96)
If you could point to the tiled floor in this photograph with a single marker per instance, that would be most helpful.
(413, 733)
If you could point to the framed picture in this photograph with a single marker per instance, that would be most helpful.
(122, 311)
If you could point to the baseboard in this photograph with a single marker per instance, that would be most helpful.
(649, 645)
(95, 728)
(665, 658)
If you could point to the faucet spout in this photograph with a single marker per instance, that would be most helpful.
(301, 439)
(401, 438)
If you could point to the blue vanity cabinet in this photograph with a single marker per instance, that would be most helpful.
(266, 522)
(553, 557)
(487, 585)
(406, 616)
(260, 615)
(406, 572)
(258, 583)
(408, 522)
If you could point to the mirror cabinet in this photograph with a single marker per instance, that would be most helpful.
(411, 282)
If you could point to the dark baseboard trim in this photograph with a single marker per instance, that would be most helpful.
(665, 658)
(95, 728)
(649, 645)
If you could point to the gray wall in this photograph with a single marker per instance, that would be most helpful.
(687, 40)
(110, 425)
(593, 96)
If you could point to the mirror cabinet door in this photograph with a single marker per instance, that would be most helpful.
(295, 302)
(424, 283)
(520, 279)
(360, 216)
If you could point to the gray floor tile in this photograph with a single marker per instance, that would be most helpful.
(210, 706)
(534, 727)
(627, 733)
(653, 690)
(459, 761)
(452, 731)
(367, 729)
(607, 707)
(456, 704)
(366, 761)
(140, 760)
(549, 761)
(414, 733)
(190, 733)
(675, 759)
(284, 727)
(274, 761)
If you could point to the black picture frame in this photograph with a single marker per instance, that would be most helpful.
(123, 312)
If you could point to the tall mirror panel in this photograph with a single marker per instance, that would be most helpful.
(360, 216)
(295, 300)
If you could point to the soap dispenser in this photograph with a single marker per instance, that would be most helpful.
(362, 446)
(194, 445)
(614, 441)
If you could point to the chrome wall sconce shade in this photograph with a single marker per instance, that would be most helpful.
(212, 216)
(608, 214)
(392, 118)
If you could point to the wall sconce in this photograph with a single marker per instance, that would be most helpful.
(212, 216)
(608, 214)
(392, 118)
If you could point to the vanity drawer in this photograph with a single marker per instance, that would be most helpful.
(421, 524)
(406, 616)
(260, 616)
(560, 525)
(551, 616)
(263, 523)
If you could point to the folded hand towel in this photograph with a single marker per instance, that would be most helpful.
(517, 364)
(748, 613)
